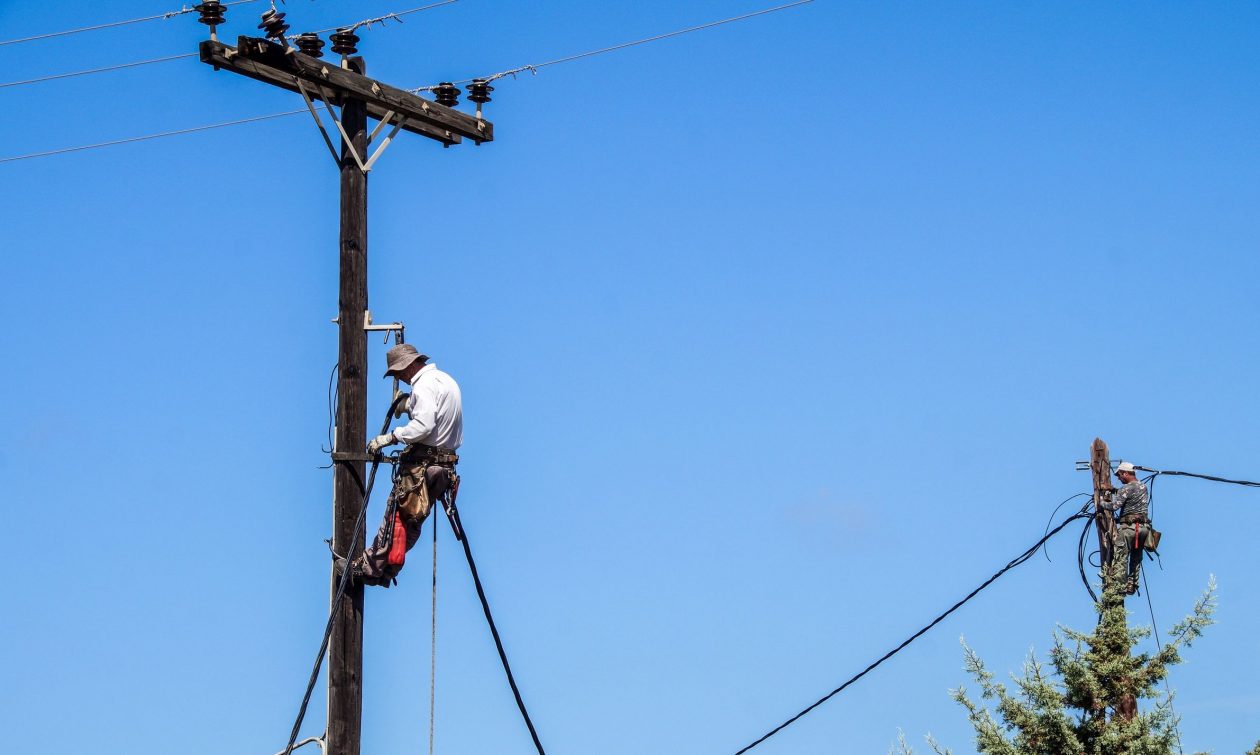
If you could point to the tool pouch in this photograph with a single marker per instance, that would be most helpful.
(1151, 541)
(415, 502)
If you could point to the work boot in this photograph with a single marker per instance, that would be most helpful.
(356, 573)
(1131, 587)
(356, 569)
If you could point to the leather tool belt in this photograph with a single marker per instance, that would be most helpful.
(418, 454)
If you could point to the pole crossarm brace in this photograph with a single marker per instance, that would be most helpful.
(318, 80)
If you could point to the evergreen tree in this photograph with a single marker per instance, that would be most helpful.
(1087, 704)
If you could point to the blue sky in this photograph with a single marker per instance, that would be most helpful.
(774, 339)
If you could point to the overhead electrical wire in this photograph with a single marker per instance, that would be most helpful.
(103, 69)
(147, 137)
(1023, 557)
(590, 53)
(613, 48)
(366, 23)
(114, 24)
(1174, 473)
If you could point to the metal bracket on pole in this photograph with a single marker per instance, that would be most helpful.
(364, 457)
(354, 153)
(320, 124)
(397, 328)
(385, 143)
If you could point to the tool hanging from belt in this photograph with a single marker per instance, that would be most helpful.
(415, 460)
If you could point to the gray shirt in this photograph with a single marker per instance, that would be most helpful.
(1132, 500)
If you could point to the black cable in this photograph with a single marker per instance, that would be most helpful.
(1050, 519)
(498, 643)
(333, 381)
(1023, 557)
(344, 582)
(1247, 483)
(1081, 557)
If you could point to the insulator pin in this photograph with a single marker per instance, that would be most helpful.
(479, 91)
(310, 44)
(273, 23)
(344, 42)
(446, 94)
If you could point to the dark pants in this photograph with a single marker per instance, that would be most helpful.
(1128, 551)
(416, 488)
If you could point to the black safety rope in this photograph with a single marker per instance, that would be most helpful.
(1011, 565)
(344, 582)
(462, 534)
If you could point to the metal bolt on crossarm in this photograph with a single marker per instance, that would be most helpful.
(310, 44)
(446, 94)
(479, 92)
(212, 13)
(273, 23)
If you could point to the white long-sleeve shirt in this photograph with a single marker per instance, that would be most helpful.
(436, 410)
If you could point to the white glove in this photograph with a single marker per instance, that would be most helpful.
(380, 441)
(402, 405)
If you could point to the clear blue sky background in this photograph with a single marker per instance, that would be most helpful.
(775, 340)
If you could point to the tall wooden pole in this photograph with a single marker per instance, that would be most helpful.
(271, 61)
(1100, 466)
(345, 653)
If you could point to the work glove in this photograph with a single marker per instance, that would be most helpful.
(401, 408)
(380, 441)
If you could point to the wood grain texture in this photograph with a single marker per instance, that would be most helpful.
(345, 652)
(423, 117)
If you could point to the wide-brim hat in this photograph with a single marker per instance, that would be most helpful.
(400, 358)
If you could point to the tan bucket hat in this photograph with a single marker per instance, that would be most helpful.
(400, 357)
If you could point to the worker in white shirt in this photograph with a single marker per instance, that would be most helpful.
(426, 467)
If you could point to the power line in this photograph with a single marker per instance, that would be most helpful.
(1172, 473)
(366, 23)
(1027, 554)
(113, 24)
(103, 69)
(534, 67)
(502, 74)
(147, 137)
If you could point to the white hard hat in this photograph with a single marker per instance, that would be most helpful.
(1125, 467)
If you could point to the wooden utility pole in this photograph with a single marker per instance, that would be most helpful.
(345, 649)
(1100, 466)
(300, 69)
